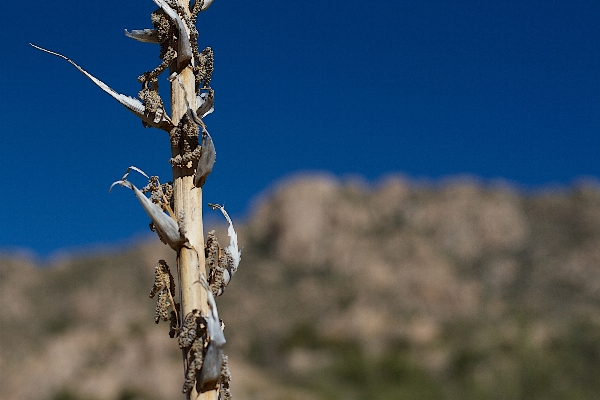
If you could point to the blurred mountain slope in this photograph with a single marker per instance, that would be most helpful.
(447, 290)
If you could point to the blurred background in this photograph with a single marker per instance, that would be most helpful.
(414, 184)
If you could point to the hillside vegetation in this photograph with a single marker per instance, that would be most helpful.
(403, 290)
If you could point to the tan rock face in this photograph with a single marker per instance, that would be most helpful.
(452, 278)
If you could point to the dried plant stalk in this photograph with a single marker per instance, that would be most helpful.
(176, 209)
(188, 206)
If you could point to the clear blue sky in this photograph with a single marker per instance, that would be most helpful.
(506, 89)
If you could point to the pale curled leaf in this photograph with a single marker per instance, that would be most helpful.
(136, 169)
(206, 4)
(167, 227)
(206, 161)
(205, 103)
(211, 368)
(143, 35)
(132, 104)
(233, 248)
(210, 373)
(123, 181)
(213, 326)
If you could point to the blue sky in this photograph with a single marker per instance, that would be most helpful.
(428, 89)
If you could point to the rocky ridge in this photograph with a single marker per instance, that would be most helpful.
(456, 289)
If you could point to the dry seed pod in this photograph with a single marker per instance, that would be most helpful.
(225, 390)
(164, 286)
(189, 329)
(195, 362)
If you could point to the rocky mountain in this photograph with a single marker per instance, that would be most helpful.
(401, 290)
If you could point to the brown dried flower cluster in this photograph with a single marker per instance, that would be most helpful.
(161, 195)
(164, 286)
(192, 340)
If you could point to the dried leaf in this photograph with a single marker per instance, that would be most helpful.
(206, 161)
(134, 105)
(233, 249)
(205, 103)
(143, 35)
(213, 360)
(167, 227)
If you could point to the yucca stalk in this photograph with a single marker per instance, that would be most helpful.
(188, 204)
(176, 208)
